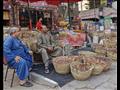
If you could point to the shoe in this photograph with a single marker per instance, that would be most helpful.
(47, 71)
(27, 84)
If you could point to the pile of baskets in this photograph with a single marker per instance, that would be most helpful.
(62, 63)
(81, 67)
(110, 43)
(30, 39)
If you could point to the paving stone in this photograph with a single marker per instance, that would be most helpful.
(106, 86)
(76, 84)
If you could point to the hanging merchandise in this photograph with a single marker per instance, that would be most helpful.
(46, 15)
(103, 2)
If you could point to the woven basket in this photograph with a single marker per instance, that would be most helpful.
(87, 53)
(107, 63)
(30, 39)
(74, 58)
(78, 74)
(97, 69)
(33, 46)
(95, 45)
(98, 65)
(103, 62)
(99, 49)
(61, 65)
(112, 53)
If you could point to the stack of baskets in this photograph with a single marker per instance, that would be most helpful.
(111, 47)
(81, 67)
(62, 63)
(30, 39)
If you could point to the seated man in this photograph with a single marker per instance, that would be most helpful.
(18, 56)
(46, 45)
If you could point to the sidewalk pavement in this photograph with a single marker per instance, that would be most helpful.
(105, 81)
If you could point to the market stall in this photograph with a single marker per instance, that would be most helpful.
(80, 66)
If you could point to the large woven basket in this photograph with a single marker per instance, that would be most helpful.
(107, 62)
(78, 74)
(98, 65)
(97, 69)
(61, 64)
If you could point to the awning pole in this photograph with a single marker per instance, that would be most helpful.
(69, 14)
(36, 16)
(30, 20)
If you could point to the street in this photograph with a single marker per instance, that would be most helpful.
(105, 81)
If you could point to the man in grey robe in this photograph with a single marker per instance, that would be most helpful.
(47, 47)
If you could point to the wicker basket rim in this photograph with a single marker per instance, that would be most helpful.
(92, 66)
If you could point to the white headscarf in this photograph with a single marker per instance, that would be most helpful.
(13, 29)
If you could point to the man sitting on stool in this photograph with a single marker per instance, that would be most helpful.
(45, 44)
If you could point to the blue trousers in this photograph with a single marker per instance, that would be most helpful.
(22, 68)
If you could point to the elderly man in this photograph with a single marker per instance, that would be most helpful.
(18, 56)
(46, 44)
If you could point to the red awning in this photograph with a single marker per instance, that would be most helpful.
(53, 2)
(70, 1)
